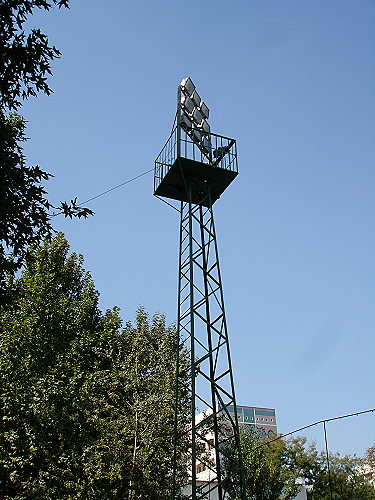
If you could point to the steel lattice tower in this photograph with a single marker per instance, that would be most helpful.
(195, 167)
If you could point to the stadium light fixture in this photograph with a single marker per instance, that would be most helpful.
(187, 86)
(205, 126)
(196, 99)
(185, 121)
(198, 117)
(193, 114)
(187, 104)
(204, 110)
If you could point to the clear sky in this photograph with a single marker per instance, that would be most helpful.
(293, 81)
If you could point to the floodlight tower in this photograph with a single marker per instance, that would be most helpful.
(195, 167)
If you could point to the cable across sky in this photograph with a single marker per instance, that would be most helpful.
(109, 190)
(116, 187)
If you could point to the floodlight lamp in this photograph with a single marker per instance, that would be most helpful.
(197, 115)
(204, 110)
(205, 126)
(187, 103)
(196, 135)
(185, 121)
(195, 97)
(187, 86)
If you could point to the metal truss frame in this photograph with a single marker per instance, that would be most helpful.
(202, 331)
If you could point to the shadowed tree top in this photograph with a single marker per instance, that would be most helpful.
(24, 66)
(25, 58)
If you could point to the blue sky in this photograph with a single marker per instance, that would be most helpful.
(293, 82)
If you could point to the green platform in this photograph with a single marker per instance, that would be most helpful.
(203, 178)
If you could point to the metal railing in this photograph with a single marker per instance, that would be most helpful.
(208, 148)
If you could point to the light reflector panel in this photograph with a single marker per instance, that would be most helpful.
(193, 114)
(187, 86)
(187, 104)
(195, 97)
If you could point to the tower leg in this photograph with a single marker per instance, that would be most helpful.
(214, 461)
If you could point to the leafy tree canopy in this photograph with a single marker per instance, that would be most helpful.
(343, 480)
(369, 458)
(86, 404)
(274, 467)
(24, 66)
(270, 471)
(23, 208)
(25, 58)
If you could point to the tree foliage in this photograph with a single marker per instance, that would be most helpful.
(86, 404)
(369, 458)
(24, 66)
(270, 473)
(23, 209)
(342, 480)
(274, 467)
(25, 57)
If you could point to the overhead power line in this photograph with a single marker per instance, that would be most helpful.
(325, 439)
(281, 436)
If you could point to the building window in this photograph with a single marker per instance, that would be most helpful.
(200, 468)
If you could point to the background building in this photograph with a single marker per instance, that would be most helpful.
(263, 420)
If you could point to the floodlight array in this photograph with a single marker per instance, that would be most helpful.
(193, 115)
